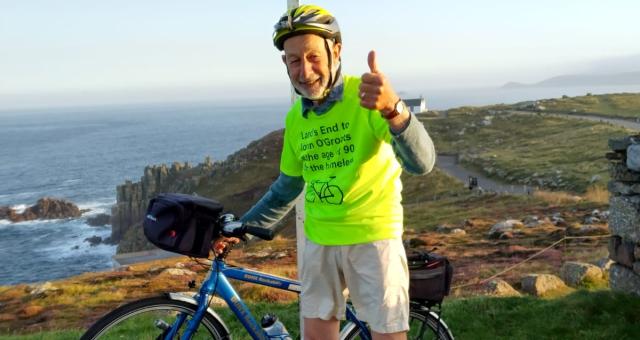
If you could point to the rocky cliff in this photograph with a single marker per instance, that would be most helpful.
(46, 208)
(237, 183)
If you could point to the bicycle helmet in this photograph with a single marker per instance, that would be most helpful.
(306, 19)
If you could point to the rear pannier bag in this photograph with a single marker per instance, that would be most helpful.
(181, 223)
(429, 276)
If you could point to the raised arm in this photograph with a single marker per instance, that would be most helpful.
(411, 142)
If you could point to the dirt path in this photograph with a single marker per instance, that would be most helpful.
(449, 164)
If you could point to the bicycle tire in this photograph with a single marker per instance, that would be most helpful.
(137, 320)
(422, 326)
(332, 198)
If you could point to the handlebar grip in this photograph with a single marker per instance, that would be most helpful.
(263, 233)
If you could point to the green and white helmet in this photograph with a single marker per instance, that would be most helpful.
(303, 20)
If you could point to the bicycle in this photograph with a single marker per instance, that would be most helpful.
(188, 316)
(326, 192)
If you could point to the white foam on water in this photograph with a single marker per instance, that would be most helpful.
(96, 207)
(72, 241)
(71, 181)
(19, 208)
(33, 224)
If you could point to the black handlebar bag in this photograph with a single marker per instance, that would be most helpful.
(429, 276)
(181, 223)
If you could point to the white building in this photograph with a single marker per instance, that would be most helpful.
(416, 105)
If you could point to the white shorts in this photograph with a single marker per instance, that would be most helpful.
(374, 275)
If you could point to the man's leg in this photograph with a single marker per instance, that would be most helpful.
(323, 296)
(318, 329)
(378, 280)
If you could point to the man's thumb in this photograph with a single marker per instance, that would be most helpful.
(373, 66)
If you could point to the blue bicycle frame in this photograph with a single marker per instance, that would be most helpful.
(217, 283)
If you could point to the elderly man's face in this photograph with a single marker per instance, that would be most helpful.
(306, 59)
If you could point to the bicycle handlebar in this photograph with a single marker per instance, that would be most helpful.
(233, 228)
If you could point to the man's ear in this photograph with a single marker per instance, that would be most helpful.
(284, 59)
(337, 49)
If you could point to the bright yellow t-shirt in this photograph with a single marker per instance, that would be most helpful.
(353, 188)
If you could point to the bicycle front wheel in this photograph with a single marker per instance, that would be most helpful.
(149, 318)
(422, 326)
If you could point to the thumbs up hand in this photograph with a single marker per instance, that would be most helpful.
(375, 91)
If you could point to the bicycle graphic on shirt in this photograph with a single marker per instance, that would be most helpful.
(327, 193)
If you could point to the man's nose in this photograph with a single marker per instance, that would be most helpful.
(305, 69)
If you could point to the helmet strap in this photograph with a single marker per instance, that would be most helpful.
(332, 78)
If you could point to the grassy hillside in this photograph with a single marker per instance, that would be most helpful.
(621, 105)
(545, 152)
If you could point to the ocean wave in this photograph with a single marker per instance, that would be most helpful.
(71, 181)
(96, 207)
(76, 245)
(19, 208)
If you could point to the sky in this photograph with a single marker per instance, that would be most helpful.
(99, 52)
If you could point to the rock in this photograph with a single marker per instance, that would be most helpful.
(577, 274)
(178, 272)
(636, 267)
(624, 279)
(94, 240)
(623, 188)
(45, 208)
(30, 311)
(99, 220)
(6, 213)
(624, 218)
(591, 220)
(622, 251)
(458, 231)
(501, 227)
(621, 144)
(499, 287)
(43, 289)
(543, 285)
(633, 157)
(616, 156)
(279, 255)
(558, 221)
(605, 264)
(620, 172)
(444, 229)
(507, 235)
(531, 221)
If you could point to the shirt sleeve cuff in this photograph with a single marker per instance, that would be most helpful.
(404, 128)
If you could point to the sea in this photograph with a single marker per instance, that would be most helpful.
(81, 154)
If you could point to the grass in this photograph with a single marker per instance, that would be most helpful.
(581, 315)
(600, 314)
(620, 105)
(546, 152)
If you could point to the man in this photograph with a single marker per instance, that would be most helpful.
(345, 138)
